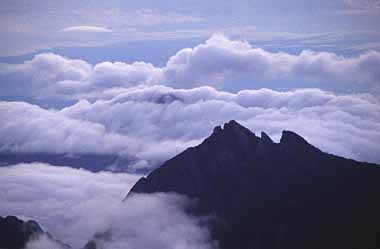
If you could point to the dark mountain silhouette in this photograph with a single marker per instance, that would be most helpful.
(267, 195)
(15, 233)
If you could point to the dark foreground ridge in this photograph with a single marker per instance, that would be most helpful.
(15, 233)
(267, 195)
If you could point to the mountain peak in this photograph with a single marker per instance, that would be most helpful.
(291, 137)
(233, 129)
(265, 138)
(217, 129)
(233, 135)
(245, 181)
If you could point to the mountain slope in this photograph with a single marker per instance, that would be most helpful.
(274, 195)
(16, 233)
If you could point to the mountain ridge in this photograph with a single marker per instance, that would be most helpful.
(270, 195)
(16, 233)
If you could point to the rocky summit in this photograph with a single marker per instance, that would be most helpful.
(267, 195)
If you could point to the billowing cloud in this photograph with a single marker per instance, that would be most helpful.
(220, 58)
(75, 204)
(218, 62)
(156, 221)
(42, 130)
(153, 123)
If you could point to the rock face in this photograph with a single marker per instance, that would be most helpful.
(14, 233)
(270, 195)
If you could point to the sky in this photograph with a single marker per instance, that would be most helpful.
(148, 79)
(346, 26)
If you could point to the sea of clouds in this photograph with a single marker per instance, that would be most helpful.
(154, 113)
(74, 204)
(154, 123)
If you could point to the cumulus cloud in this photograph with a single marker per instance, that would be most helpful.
(218, 62)
(125, 109)
(220, 58)
(73, 205)
(347, 125)
(86, 29)
(154, 123)
(30, 128)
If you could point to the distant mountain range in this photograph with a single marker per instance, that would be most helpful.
(91, 162)
(267, 195)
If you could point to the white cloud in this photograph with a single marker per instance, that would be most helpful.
(347, 125)
(363, 6)
(44, 242)
(124, 109)
(156, 221)
(154, 123)
(75, 204)
(220, 59)
(30, 128)
(86, 29)
(218, 62)
(71, 204)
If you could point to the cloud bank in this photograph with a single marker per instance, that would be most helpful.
(75, 204)
(154, 123)
(71, 204)
(218, 62)
(153, 113)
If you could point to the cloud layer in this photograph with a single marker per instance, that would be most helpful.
(153, 123)
(75, 204)
(70, 204)
(125, 108)
(218, 62)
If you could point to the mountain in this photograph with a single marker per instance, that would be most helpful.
(15, 233)
(267, 195)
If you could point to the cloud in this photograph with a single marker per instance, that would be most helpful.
(363, 6)
(71, 204)
(156, 221)
(219, 62)
(44, 242)
(22, 32)
(75, 204)
(86, 29)
(347, 125)
(219, 59)
(30, 128)
(126, 109)
(154, 123)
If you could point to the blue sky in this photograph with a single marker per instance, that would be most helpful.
(344, 26)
